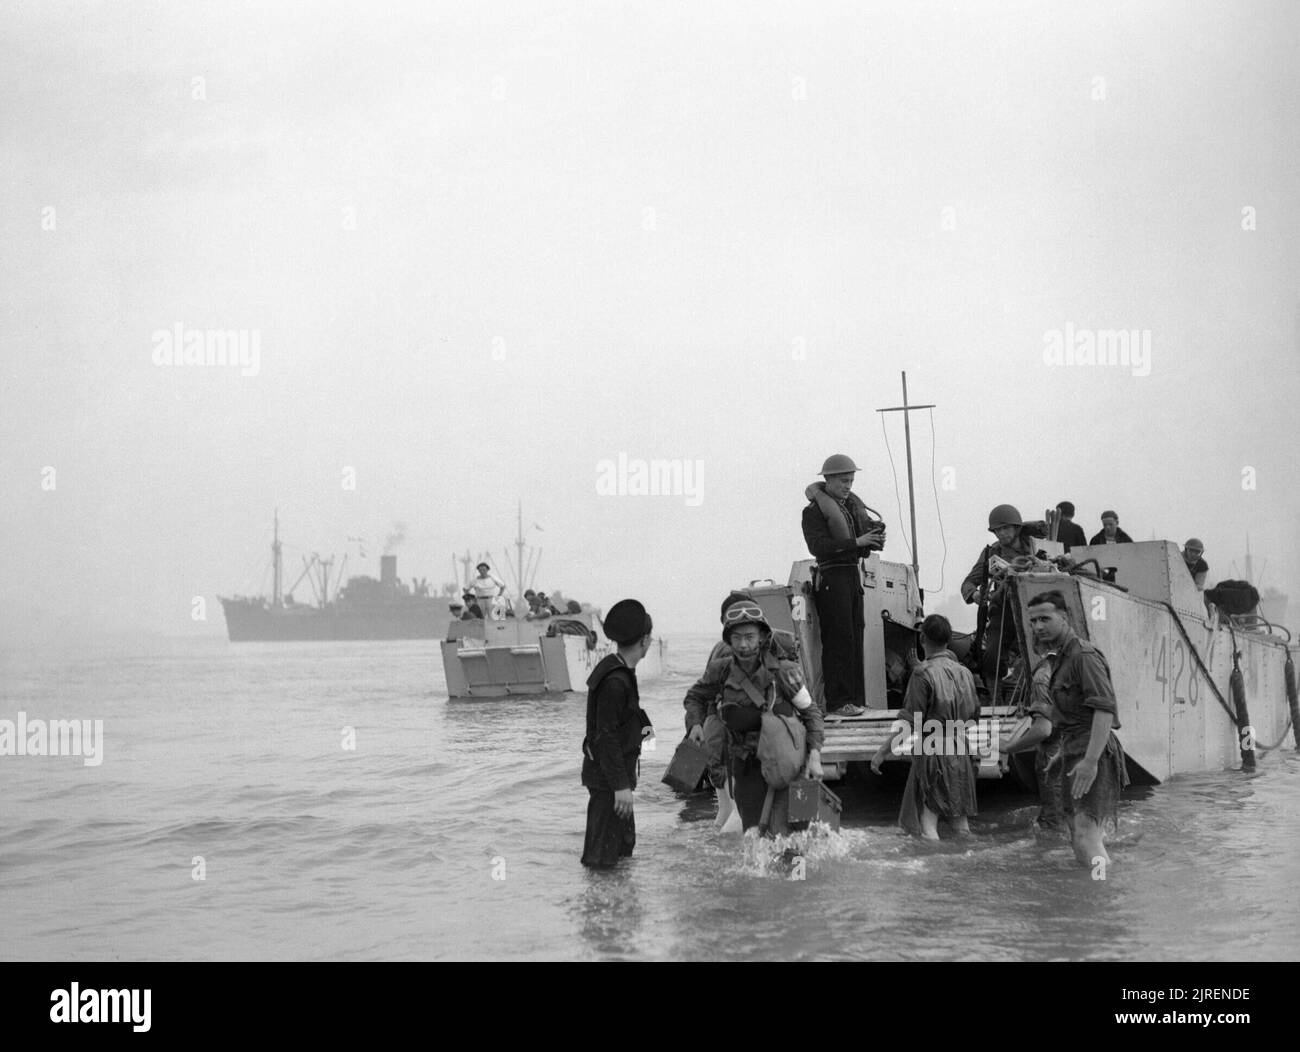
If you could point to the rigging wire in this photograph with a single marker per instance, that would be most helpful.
(898, 500)
(939, 514)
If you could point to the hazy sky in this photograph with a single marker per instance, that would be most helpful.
(485, 247)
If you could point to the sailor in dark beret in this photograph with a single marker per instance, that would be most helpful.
(627, 622)
(616, 725)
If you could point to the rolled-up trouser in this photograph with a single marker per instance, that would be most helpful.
(1048, 769)
(715, 749)
(839, 616)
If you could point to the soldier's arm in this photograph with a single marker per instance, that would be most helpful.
(1084, 773)
(970, 587)
(705, 690)
(1036, 732)
(1095, 683)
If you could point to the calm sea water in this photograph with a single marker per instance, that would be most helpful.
(453, 830)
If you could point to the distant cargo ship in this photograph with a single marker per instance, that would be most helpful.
(364, 608)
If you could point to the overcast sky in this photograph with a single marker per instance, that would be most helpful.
(485, 247)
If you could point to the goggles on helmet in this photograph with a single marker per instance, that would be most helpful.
(739, 613)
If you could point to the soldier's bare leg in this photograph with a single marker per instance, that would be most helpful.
(725, 806)
(929, 824)
(1087, 840)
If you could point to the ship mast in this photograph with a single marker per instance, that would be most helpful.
(519, 549)
(275, 558)
(911, 495)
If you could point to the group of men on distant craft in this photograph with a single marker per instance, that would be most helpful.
(488, 592)
(1071, 534)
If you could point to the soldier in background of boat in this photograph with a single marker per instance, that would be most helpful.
(1196, 566)
(840, 530)
(616, 726)
(1110, 531)
(737, 687)
(473, 612)
(1080, 703)
(1069, 532)
(995, 635)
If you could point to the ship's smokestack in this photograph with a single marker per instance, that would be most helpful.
(388, 571)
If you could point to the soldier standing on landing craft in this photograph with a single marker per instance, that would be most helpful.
(840, 530)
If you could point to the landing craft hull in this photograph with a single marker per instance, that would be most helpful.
(517, 660)
(1169, 680)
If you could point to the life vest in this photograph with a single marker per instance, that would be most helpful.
(834, 512)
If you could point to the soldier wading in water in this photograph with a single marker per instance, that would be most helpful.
(1081, 702)
(739, 686)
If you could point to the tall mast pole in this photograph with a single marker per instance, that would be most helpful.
(911, 495)
(905, 409)
(275, 558)
(519, 557)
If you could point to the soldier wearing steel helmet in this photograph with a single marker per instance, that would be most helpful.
(733, 687)
(840, 530)
(1011, 542)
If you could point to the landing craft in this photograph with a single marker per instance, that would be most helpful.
(1199, 689)
(1171, 660)
(497, 659)
(511, 656)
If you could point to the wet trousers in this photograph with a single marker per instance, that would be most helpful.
(1048, 768)
(838, 599)
(715, 749)
(749, 791)
(609, 837)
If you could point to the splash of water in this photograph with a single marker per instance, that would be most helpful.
(802, 850)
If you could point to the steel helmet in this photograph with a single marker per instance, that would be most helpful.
(1004, 515)
(743, 612)
(838, 464)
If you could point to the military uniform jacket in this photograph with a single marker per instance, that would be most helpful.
(1080, 685)
(1017, 549)
(612, 747)
(722, 685)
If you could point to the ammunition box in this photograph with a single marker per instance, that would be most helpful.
(811, 801)
(687, 767)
